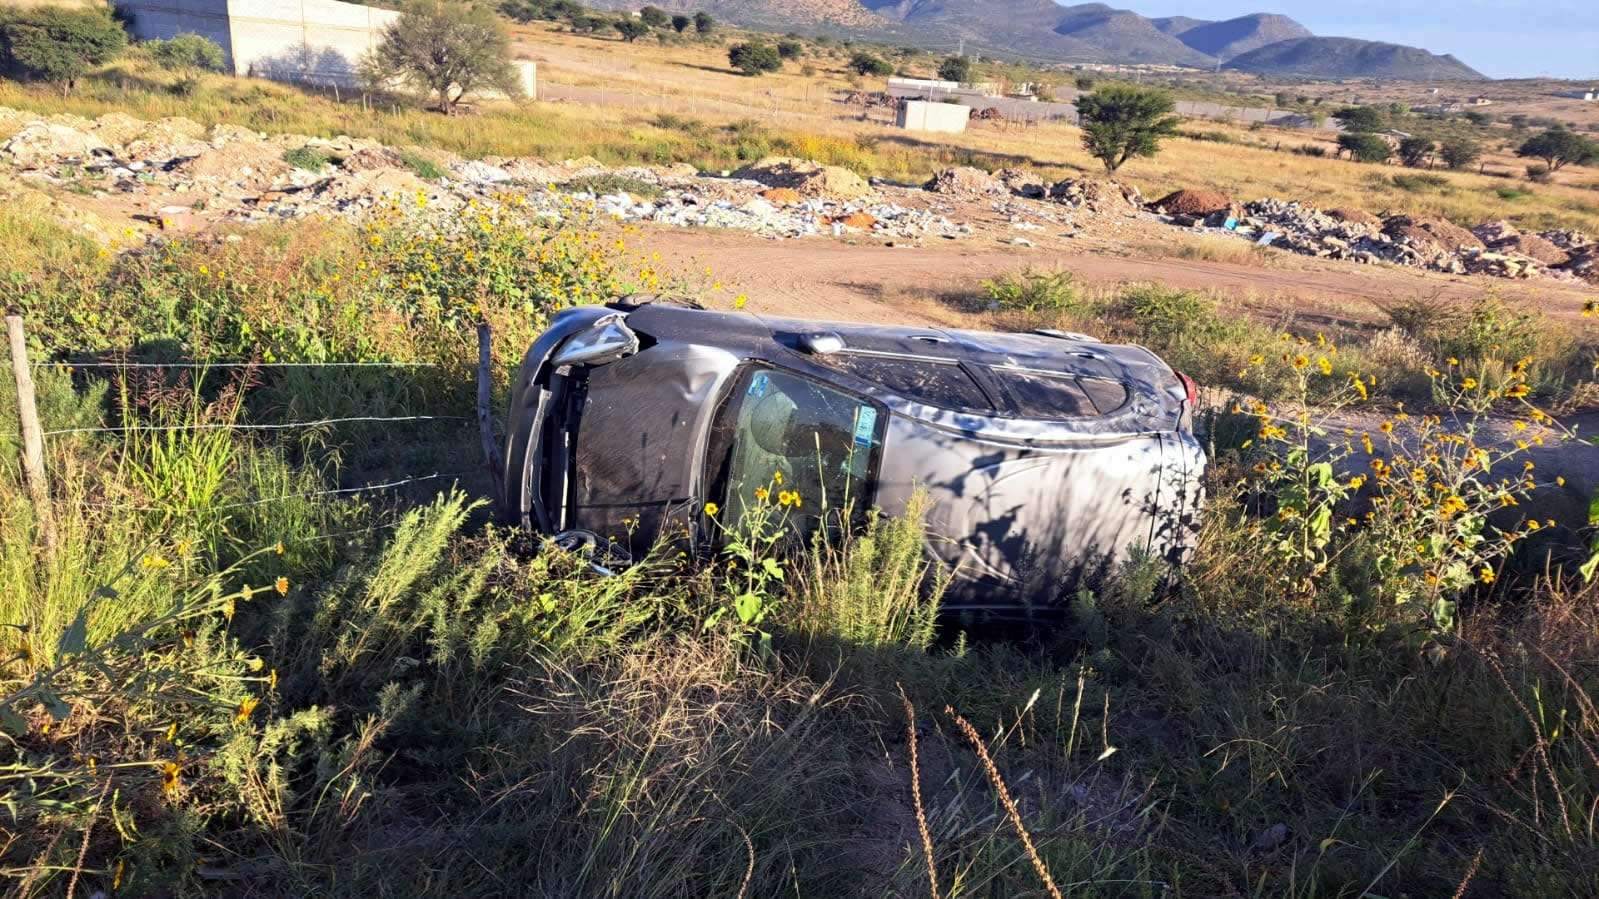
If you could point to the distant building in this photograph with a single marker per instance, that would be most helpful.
(317, 42)
(921, 115)
(1587, 96)
(1480, 101)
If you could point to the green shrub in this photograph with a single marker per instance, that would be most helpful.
(421, 165)
(308, 158)
(612, 183)
(754, 58)
(1363, 147)
(186, 51)
(1033, 291)
(56, 44)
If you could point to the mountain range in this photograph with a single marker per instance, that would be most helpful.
(1043, 30)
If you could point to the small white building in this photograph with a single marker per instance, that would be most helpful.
(943, 118)
(1587, 96)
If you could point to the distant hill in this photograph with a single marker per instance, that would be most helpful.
(1342, 57)
(1264, 43)
(1225, 40)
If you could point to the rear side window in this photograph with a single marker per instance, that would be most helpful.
(942, 384)
(1054, 396)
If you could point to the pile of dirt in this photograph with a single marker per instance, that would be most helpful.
(861, 220)
(1023, 183)
(1533, 247)
(1189, 201)
(964, 181)
(1427, 234)
(368, 159)
(1355, 216)
(811, 179)
(782, 196)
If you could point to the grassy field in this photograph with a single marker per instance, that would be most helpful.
(227, 680)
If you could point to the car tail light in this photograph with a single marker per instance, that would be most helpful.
(1191, 389)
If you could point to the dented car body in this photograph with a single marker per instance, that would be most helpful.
(1047, 457)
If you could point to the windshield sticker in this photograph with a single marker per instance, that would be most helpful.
(758, 385)
(865, 425)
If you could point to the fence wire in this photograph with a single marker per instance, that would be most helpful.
(339, 491)
(223, 426)
(236, 365)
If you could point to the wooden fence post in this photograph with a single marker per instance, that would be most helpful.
(485, 412)
(32, 434)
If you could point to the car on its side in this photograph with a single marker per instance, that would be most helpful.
(1046, 456)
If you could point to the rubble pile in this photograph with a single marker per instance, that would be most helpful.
(1023, 183)
(1097, 196)
(165, 168)
(871, 99)
(1495, 248)
(964, 181)
(811, 179)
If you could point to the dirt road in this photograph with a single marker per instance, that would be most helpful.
(868, 281)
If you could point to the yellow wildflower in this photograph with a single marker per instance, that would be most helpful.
(282, 586)
(712, 509)
(170, 781)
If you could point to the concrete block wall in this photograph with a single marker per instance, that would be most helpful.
(944, 118)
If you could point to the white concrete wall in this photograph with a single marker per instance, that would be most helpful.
(318, 42)
(310, 41)
(944, 118)
(152, 19)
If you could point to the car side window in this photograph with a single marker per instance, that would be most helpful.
(935, 383)
(1051, 395)
(800, 444)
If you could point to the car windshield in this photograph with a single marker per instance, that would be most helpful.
(798, 443)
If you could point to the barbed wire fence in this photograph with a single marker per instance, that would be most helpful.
(34, 436)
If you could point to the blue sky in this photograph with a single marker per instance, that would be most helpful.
(1501, 39)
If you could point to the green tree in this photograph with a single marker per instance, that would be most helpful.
(955, 68)
(788, 49)
(680, 23)
(867, 64)
(630, 28)
(1084, 82)
(1459, 152)
(186, 52)
(654, 16)
(1363, 147)
(1361, 119)
(1120, 122)
(444, 49)
(58, 45)
(754, 58)
(1480, 119)
(703, 23)
(1415, 151)
(1557, 147)
(587, 23)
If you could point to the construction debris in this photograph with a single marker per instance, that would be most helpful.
(964, 181)
(809, 178)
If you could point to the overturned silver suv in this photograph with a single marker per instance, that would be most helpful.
(1047, 456)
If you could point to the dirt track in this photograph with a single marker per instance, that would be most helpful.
(826, 278)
